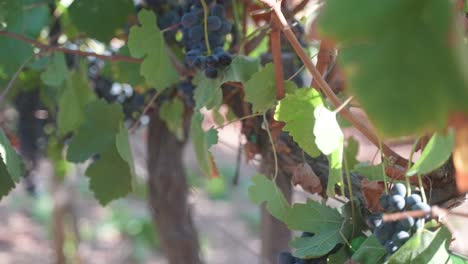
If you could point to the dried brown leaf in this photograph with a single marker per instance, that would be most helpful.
(372, 190)
(305, 176)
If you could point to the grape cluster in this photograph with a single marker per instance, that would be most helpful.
(392, 235)
(168, 17)
(288, 258)
(197, 55)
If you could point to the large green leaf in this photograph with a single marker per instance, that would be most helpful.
(126, 72)
(57, 71)
(264, 190)
(371, 172)
(260, 89)
(202, 142)
(172, 112)
(72, 101)
(351, 152)
(401, 61)
(23, 21)
(296, 110)
(370, 252)
(327, 132)
(240, 70)
(318, 245)
(97, 132)
(100, 19)
(110, 176)
(14, 163)
(435, 154)
(147, 42)
(6, 182)
(313, 217)
(424, 247)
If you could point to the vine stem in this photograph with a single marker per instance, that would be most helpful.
(410, 161)
(238, 119)
(273, 147)
(205, 25)
(350, 190)
(435, 212)
(325, 88)
(275, 43)
(69, 51)
(382, 162)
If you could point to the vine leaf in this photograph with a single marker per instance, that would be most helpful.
(328, 134)
(99, 23)
(147, 41)
(110, 176)
(318, 245)
(370, 252)
(437, 152)
(202, 142)
(335, 175)
(24, 21)
(11, 159)
(264, 190)
(424, 247)
(313, 217)
(56, 72)
(72, 101)
(372, 173)
(172, 112)
(97, 133)
(126, 72)
(260, 89)
(375, 39)
(6, 182)
(208, 92)
(296, 111)
(351, 152)
(241, 69)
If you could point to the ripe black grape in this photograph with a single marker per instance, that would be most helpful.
(189, 20)
(405, 224)
(213, 23)
(399, 189)
(400, 237)
(211, 72)
(412, 200)
(396, 202)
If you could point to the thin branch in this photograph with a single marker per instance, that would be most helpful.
(145, 110)
(69, 51)
(325, 88)
(435, 212)
(13, 79)
(275, 42)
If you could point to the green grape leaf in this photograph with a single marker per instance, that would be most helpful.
(375, 36)
(371, 172)
(457, 260)
(208, 92)
(335, 176)
(296, 110)
(370, 252)
(13, 161)
(147, 42)
(313, 217)
(351, 152)
(72, 101)
(97, 132)
(341, 256)
(264, 190)
(202, 142)
(57, 71)
(327, 132)
(126, 72)
(123, 146)
(424, 247)
(100, 19)
(110, 176)
(437, 152)
(260, 89)
(6, 182)
(172, 112)
(241, 69)
(318, 245)
(23, 21)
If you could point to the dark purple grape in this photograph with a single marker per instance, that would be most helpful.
(307, 234)
(412, 200)
(397, 202)
(390, 247)
(398, 189)
(200, 62)
(213, 23)
(384, 201)
(400, 238)
(212, 61)
(199, 12)
(196, 33)
(218, 10)
(211, 72)
(418, 224)
(374, 220)
(226, 28)
(384, 232)
(224, 59)
(405, 224)
(189, 20)
(286, 258)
